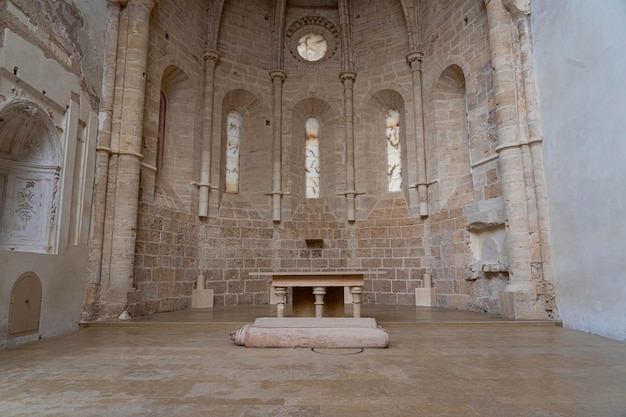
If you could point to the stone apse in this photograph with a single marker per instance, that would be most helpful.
(399, 138)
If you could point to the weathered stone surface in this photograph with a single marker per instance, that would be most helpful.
(312, 333)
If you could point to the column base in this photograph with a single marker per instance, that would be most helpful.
(115, 300)
(425, 297)
(202, 298)
(518, 305)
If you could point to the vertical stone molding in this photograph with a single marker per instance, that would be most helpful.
(211, 58)
(347, 58)
(415, 60)
(278, 76)
(519, 300)
(347, 78)
(103, 152)
(124, 192)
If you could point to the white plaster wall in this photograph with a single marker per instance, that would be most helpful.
(63, 276)
(580, 69)
(63, 286)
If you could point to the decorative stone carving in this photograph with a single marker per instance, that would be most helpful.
(25, 202)
(312, 39)
(29, 176)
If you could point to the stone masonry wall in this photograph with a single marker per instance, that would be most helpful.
(166, 259)
(385, 240)
(388, 244)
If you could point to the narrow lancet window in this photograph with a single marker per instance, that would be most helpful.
(233, 141)
(161, 133)
(394, 151)
(312, 157)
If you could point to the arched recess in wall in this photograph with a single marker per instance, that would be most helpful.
(176, 155)
(25, 307)
(295, 151)
(30, 169)
(381, 154)
(245, 110)
(447, 148)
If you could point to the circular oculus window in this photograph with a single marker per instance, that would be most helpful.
(312, 39)
(312, 46)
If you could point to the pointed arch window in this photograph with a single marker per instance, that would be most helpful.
(233, 142)
(312, 157)
(394, 150)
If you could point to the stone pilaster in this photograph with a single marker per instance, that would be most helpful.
(519, 300)
(520, 12)
(103, 152)
(124, 193)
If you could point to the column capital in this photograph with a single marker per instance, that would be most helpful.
(147, 4)
(415, 59)
(347, 76)
(415, 56)
(212, 54)
(278, 73)
(116, 3)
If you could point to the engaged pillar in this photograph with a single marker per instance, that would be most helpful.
(125, 181)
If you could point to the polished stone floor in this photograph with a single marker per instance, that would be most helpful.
(439, 363)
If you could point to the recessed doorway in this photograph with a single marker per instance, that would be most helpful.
(25, 306)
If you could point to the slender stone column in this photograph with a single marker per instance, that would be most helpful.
(356, 301)
(125, 200)
(519, 300)
(319, 293)
(281, 300)
(103, 151)
(278, 76)
(347, 78)
(211, 58)
(415, 61)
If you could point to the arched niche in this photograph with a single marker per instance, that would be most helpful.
(448, 159)
(176, 149)
(383, 124)
(25, 305)
(254, 148)
(30, 169)
(319, 110)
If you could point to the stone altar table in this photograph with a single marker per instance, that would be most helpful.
(321, 283)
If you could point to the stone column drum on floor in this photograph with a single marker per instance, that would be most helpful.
(312, 332)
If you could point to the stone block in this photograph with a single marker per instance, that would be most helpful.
(425, 297)
(202, 298)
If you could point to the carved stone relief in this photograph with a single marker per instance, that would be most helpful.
(29, 178)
